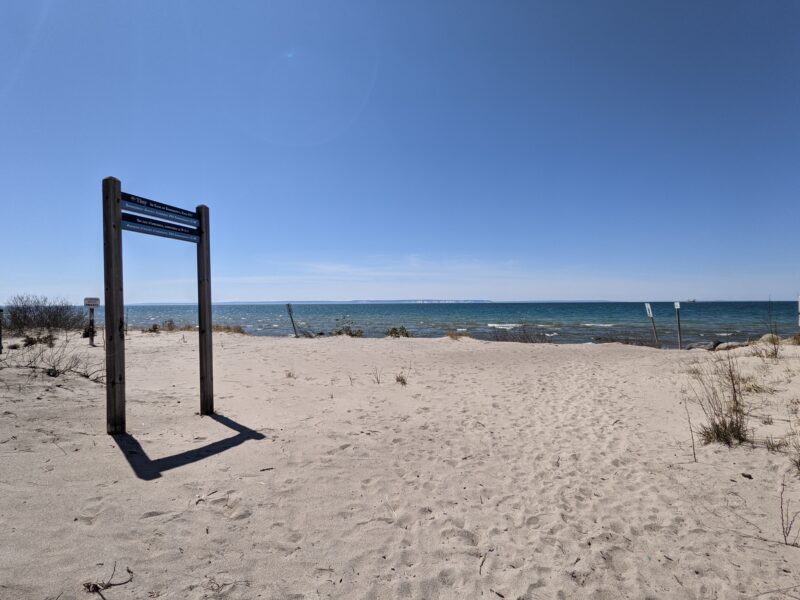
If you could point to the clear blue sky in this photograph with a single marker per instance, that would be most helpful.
(494, 150)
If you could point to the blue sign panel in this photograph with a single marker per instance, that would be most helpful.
(151, 208)
(153, 227)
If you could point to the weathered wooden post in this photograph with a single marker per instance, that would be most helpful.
(204, 309)
(114, 332)
(649, 310)
(91, 304)
(290, 310)
(678, 317)
(1, 330)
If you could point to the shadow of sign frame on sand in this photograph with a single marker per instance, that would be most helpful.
(148, 469)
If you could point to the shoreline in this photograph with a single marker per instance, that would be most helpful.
(532, 470)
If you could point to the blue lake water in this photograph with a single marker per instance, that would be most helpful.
(563, 322)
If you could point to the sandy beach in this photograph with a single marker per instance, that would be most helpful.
(500, 470)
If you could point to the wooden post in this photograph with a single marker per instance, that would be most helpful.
(91, 326)
(114, 332)
(649, 310)
(204, 309)
(678, 317)
(291, 316)
(1, 330)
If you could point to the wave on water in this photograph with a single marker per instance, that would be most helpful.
(598, 324)
(724, 334)
(550, 334)
(503, 325)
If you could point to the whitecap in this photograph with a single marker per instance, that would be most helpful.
(503, 325)
(461, 329)
(550, 334)
(598, 324)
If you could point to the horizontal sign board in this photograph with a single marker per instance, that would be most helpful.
(648, 309)
(91, 302)
(153, 227)
(151, 208)
(677, 306)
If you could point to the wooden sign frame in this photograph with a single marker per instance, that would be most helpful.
(166, 221)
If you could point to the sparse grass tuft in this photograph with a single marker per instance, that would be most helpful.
(790, 537)
(291, 374)
(716, 387)
(457, 335)
(522, 335)
(402, 376)
(751, 386)
(773, 445)
(376, 374)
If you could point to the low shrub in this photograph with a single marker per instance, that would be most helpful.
(26, 313)
(397, 332)
(30, 340)
(345, 327)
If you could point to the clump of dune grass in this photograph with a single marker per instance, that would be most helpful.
(397, 332)
(344, 326)
(792, 442)
(456, 335)
(228, 329)
(522, 335)
(402, 376)
(775, 445)
(171, 326)
(716, 386)
(627, 339)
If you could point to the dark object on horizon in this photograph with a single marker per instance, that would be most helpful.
(291, 317)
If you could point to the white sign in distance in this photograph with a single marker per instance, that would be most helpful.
(91, 302)
(648, 309)
(677, 306)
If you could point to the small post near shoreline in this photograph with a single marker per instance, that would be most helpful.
(91, 304)
(678, 317)
(291, 318)
(649, 310)
(1, 330)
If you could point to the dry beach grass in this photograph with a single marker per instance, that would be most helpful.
(495, 470)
